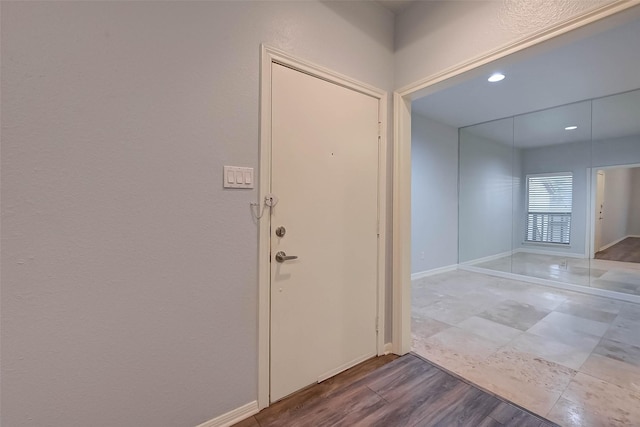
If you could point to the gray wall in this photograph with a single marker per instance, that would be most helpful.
(486, 197)
(577, 158)
(619, 151)
(434, 194)
(617, 204)
(129, 277)
(634, 217)
(519, 195)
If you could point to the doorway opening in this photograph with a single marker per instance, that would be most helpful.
(616, 214)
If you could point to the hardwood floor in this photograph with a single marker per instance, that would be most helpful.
(393, 391)
(627, 250)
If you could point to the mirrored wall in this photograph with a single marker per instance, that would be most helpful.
(555, 194)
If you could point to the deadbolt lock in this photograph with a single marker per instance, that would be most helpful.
(281, 231)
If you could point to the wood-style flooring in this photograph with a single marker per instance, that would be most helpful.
(393, 391)
(627, 250)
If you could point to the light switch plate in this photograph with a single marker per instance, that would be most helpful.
(237, 177)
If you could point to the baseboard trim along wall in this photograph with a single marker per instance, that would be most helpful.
(427, 273)
(502, 255)
(232, 417)
(487, 258)
(554, 284)
(549, 252)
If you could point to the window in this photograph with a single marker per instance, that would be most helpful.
(549, 202)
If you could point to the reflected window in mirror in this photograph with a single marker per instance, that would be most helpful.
(549, 207)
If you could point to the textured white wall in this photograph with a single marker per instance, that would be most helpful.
(129, 276)
(617, 204)
(432, 36)
(434, 194)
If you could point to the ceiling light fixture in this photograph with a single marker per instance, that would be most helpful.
(496, 77)
(571, 128)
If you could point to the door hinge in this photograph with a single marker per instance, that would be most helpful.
(377, 324)
(379, 129)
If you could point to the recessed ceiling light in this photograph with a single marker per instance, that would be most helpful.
(571, 128)
(496, 77)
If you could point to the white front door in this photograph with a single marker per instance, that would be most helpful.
(324, 171)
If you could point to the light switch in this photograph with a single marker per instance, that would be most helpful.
(237, 177)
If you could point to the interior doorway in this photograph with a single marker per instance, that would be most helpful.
(599, 212)
(479, 66)
(616, 213)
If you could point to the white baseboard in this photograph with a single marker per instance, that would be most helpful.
(549, 252)
(615, 242)
(388, 348)
(232, 417)
(427, 273)
(487, 258)
(554, 284)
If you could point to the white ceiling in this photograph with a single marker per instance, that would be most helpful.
(603, 64)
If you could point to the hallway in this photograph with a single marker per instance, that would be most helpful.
(569, 357)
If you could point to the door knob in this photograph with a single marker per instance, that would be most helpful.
(282, 257)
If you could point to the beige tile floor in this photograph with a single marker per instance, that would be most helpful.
(570, 357)
(609, 275)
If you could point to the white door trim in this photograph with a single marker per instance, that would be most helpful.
(268, 56)
(402, 155)
(591, 221)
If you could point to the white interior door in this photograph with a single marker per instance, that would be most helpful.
(324, 171)
(599, 213)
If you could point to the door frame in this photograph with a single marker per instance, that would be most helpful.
(402, 98)
(269, 55)
(593, 218)
(591, 221)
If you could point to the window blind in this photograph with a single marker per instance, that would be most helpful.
(549, 205)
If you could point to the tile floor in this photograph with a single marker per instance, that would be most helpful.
(611, 275)
(570, 357)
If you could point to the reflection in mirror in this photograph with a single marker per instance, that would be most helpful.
(555, 147)
(568, 203)
(615, 197)
(434, 196)
(486, 159)
(555, 194)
